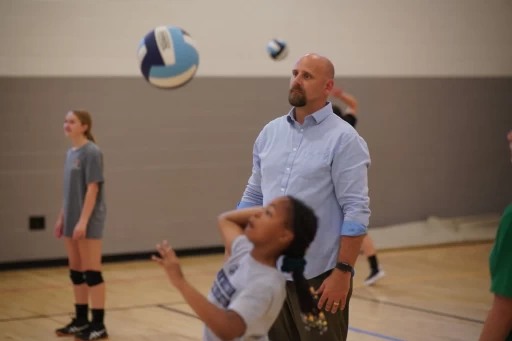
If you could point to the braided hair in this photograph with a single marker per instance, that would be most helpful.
(304, 224)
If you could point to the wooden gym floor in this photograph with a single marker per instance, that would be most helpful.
(428, 294)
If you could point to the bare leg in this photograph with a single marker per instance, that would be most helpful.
(368, 246)
(90, 251)
(76, 271)
(369, 251)
(75, 263)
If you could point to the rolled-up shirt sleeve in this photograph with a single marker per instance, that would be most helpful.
(349, 172)
(253, 196)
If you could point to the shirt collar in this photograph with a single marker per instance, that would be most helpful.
(318, 116)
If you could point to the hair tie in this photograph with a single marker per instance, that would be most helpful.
(293, 264)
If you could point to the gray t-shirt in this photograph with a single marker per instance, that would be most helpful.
(83, 166)
(254, 291)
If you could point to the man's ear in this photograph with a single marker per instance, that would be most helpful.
(329, 86)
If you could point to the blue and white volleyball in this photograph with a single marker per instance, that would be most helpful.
(168, 57)
(277, 49)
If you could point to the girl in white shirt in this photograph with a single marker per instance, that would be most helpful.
(249, 291)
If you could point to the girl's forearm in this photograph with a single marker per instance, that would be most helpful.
(225, 324)
(89, 202)
(241, 216)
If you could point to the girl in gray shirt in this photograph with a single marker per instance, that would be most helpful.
(249, 291)
(81, 223)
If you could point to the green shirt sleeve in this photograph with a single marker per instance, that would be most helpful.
(500, 260)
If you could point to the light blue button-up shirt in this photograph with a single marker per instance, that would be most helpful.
(323, 162)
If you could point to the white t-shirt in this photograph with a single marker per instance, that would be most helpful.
(254, 291)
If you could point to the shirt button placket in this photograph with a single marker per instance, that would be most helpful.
(296, 142)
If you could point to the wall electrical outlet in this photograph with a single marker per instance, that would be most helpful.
(36, 223)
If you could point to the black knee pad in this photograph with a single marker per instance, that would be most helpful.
(77, 277)
(93, 278)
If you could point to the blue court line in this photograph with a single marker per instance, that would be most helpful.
(408, 307)
(380, 336)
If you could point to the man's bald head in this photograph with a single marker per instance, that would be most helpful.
(312, 80)
(321, 62)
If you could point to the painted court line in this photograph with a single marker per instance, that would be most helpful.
(356, 330)
(122, 281)
(69, 313)
(181, 312)
(167, 306)
(423, 310)
(377, 335)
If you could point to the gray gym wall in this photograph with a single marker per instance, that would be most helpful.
(174, 160)
(434, 109)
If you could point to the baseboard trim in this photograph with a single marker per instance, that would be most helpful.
(431, 233)
(109, 258)
(436, 246)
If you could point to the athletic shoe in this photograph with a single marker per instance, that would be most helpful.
(94, 332)
(375, 275)
(73, 328)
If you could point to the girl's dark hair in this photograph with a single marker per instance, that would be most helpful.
(304, 224)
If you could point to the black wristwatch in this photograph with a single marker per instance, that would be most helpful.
(344, 267)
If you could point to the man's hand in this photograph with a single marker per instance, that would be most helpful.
(169, 262)
(334, 290)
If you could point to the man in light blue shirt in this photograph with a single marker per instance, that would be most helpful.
(316, 156)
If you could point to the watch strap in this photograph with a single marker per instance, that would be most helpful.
(345, 267)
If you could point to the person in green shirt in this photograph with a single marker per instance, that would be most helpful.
(498, 325)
